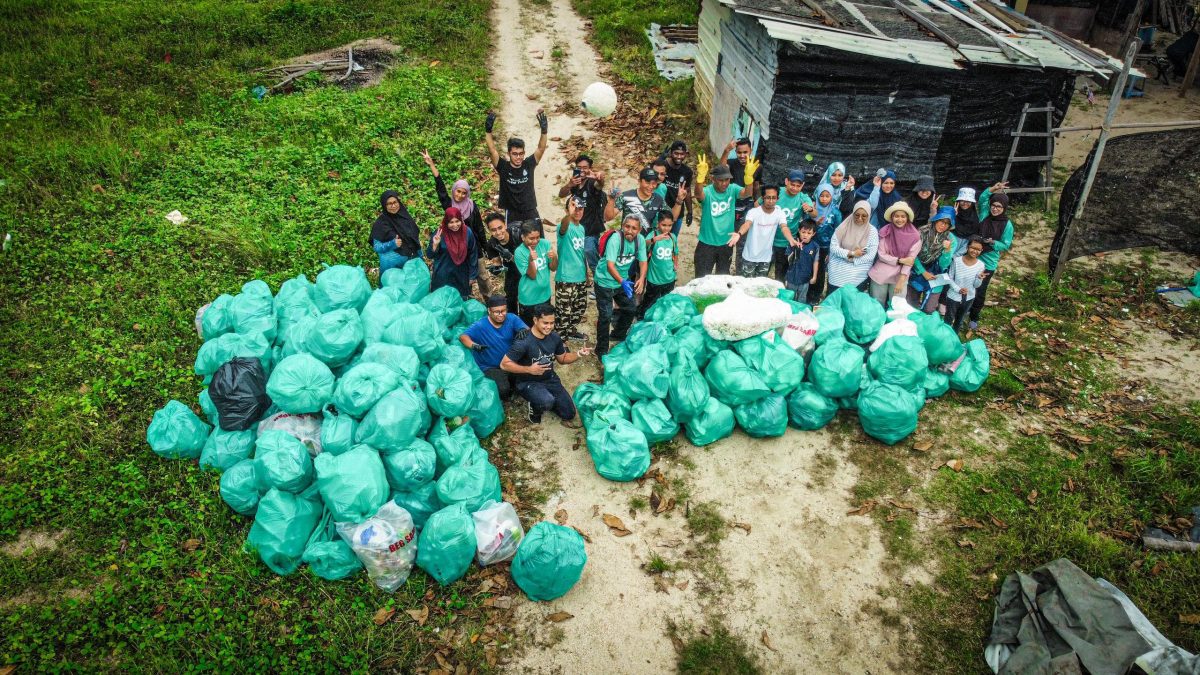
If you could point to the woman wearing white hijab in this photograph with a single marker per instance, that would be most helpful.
(835, 176)
(852, 249)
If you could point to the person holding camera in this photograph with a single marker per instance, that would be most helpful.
(586, 186)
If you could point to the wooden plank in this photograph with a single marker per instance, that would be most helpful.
(1007, 47)
(926, 24)
(1000, 25)
(1007, 19)
(826, 18)
(862, 18)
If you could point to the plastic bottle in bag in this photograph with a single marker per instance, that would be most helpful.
(498, 532)
(386, 543)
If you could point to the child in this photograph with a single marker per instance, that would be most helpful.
(936, 255)
(534, 259)
(663, 251)
(758, 231)
(966, 274)
(827, 216)
(570, 279)
(803, 261)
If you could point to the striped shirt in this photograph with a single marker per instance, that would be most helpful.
(851, 272)
(966, 276)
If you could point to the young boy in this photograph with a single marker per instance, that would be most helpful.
(966, 273)
(570, 279)
(803, 261)
(534, 259)
(762, 222)
(663, 251)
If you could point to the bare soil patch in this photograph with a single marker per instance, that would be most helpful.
(374, 56)
(30, 542)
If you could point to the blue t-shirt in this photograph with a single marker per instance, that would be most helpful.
(497, 340)
(800, 265)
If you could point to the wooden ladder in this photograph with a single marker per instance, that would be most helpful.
(1046, 181)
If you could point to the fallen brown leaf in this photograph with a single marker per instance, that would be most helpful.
(682, 585)
(561, 516)
(998, 523)
(902, 505)
(955, 464)
(559, 617)
(677, 644)
(923, 446)
(969, 524)
(1189, 619)
(434, 64)
(419, 615)
(966, 543)
(383, 615)
(191, 545)
(615, 525)
(864, 508)
(582, 534)
(766, 640)
(1158, 568)
(1032, 497)
(744, 526)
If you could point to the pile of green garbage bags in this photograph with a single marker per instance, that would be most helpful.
(346, 421)
(671, 375)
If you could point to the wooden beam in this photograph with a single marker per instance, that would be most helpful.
(862, 18)
(826, 18)
(1175, 124)
(926, 24)
(1022, 5)
(1007, 47)
(1190, 76)
(1007, 18)
(1000, 25)
(1131, 25)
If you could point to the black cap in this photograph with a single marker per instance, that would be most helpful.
(648, 174)
(497, 301)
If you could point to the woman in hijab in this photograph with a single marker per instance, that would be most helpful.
(937, 250)
(922, 201)
(460, 198)
(899, 243)
(852, 248)
(828, 216)
(394, 234)
(997, 233)
(881, 194)
(966, 219)
(835, 177)
(455, 254)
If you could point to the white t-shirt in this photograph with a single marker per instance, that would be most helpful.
(762, 233)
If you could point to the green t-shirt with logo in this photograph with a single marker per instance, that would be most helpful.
(533, 291)
(661, 268)
(622, 253)
(794, 208)
(717, 219)
(571, 267)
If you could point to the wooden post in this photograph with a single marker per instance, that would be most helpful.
(1132, 24)
(1114, 102)
(1190, 77)
(1022, 5)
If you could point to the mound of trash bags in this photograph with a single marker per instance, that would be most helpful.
(346, 421)
(723, 352)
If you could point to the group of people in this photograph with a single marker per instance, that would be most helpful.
(941, 258)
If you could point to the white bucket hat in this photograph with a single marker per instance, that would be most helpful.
(966, 195)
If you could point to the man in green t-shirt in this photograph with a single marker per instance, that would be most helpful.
(570, 279)
(618, 280)
(661, 269)
(535, 259)
(795, 205)
(714, 250)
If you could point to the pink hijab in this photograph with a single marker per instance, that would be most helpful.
(467, 206)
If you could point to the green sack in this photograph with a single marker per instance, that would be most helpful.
(295, 294)
(808, 409)
(327, 555)
(901, 361)
(459, 357)
(645, 333)
(864, 315)
(687, 392)
(850, 402)
(936, 384)
(973, 370)
(711, 425)
(644, 373)
(420, 503)
(454, 447)
(282, 526)
(764, 418)
(341, 287)
(296, 335)
(887, 412)
(376, 315)
(471, 485)
(652, 418)
(446, 303)
(351, 484)
(487, 410)
(223, 348)
(411, 468)
(619, 450)
(591, 398)
(549, 561)
(175, 432)
(240, 487)
(337, 431)
(831, 325)
(208, 407)
(449, 390)
(223, 449)
(395, 421)
(941, 342)
(300, 384)
(612, 362)
(835, 368)
(416, 327)
(216, 320)
(671, 311)
(361, 387)
(780, 366)
(472, 311)
(335, 337)
(447, 544)
(693, 340)
(411, 281)
(734, 382)
(399, 359)
(253, 310)
(282, 461)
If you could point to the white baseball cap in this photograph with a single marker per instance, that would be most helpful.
(966, 195)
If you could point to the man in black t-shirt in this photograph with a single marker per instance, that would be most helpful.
(587, 187)
(737, 167)
(641, 202)
(678, 174)
(499, 249)
(531, 360)
(517, 196)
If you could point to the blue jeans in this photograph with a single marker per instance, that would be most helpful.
(547, 395)
(801, 292)
(591, 252)
(604, 314)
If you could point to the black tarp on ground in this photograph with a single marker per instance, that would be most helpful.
(1145, 194)
(871, 113)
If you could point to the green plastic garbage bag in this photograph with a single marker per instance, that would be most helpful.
(850, 402)
(335, 337)
(941, 342)
(253, 310)
(619, 450)
(693, 340)
(644, 373)
(411, 281)
(352, 484)
(420, 503)
(487, 410)
(337, 431)
(780, 366)
(416, 327)
(789, 297)
(644, 333)
(687, 392)
(767, 417)
(399, 359)
(282, 526)
(293, 303)
(362, 386)
(395, 421)
(836, 368)
(376, 315)
(240, 487)
(591, 398)
(447, 544)
(549, 561)
(283, 461)
(808, 409)
(216, 320)
(208, 407)
(472, 311)
(613, 360)
(176, 432)
(341, 287)
(887, 412)
(412, 467)
(831, 325)
(327, 555)
(711, 425)
(900, 361)
(472, 485)
(652, 418)
(214, 353)
(446, 303)
(449, 390)
(937, 383)
(223, 449)
(454, 447)
(296, 335)
(459, 357)
(973, 370)
(300, 384)
(734, 382)
(864, 315)
(671, 311)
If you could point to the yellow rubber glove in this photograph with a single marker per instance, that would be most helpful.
(701, 169)
(751, 169)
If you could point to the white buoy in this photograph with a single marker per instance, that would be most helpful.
(599, 99)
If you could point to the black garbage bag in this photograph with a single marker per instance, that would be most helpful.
(239, 391)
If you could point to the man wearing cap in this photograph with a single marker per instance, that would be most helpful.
(518, 198)
(501, 250)
(795, 206)
(714, 246)
(490, 338)
(642, 203)
(586, 185)
(679, 175)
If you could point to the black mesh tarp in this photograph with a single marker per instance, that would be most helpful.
(1144, 195)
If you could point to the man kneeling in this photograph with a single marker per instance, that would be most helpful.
(531, 361)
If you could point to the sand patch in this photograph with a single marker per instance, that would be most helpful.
(1172, 365)
(30, 543)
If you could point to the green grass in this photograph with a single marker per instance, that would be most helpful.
(706, 522)
(716, 651)
(100, 291)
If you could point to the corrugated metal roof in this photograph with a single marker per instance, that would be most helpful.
(933, 54)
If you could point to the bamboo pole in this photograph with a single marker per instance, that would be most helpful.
(1176, 124)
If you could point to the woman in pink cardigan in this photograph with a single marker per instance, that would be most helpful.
(899, 243)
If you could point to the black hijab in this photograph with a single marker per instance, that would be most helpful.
(388, 226)
(992, 227)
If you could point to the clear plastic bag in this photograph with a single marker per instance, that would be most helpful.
(498, 532)
(306, 428)
(386, 543)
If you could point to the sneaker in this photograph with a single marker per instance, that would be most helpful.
(533, 418)
(575, 335)
(592, 295)
(572, 423)
(973, 325)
